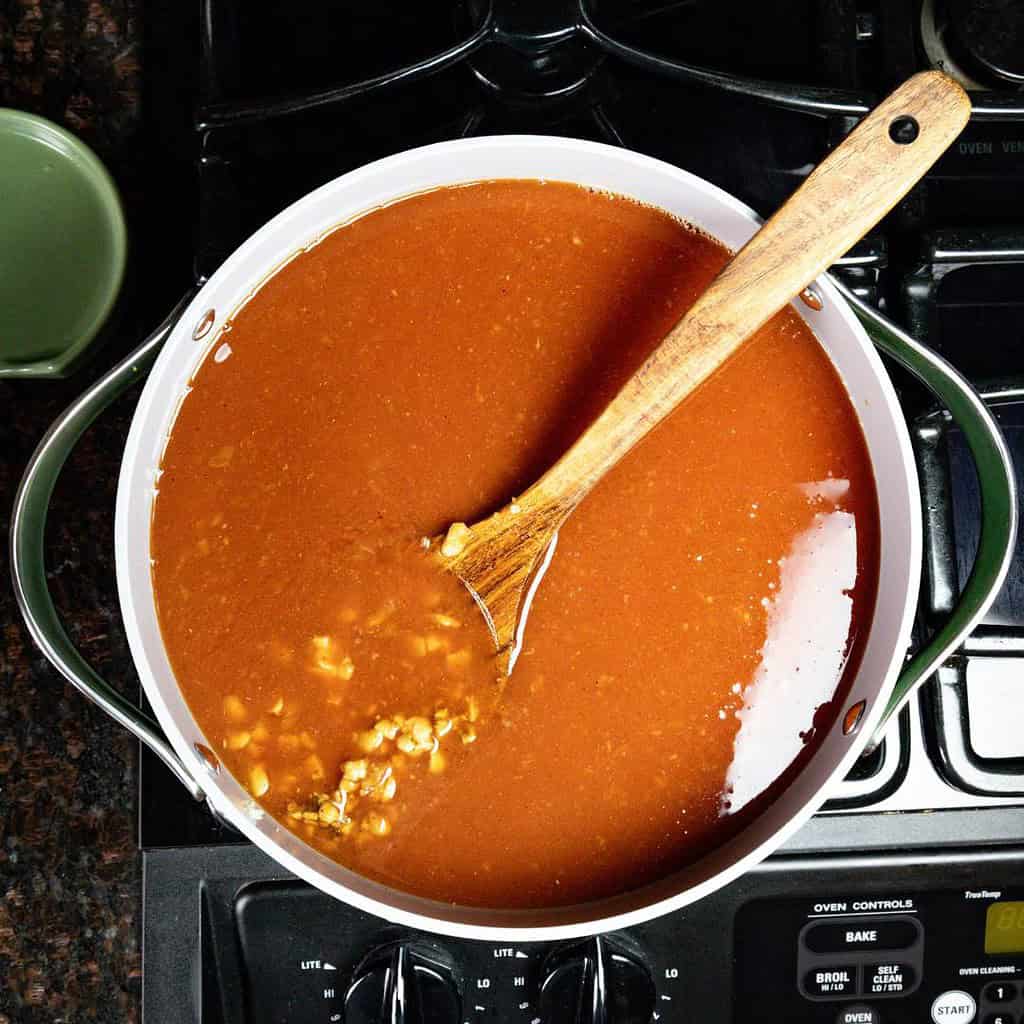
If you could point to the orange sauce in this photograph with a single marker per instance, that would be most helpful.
(687, 646)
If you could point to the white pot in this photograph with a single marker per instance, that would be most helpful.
(599, 166)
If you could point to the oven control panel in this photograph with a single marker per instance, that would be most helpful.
(948, 957)
(809, 941)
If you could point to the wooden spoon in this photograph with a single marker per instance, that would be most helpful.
(501, 559)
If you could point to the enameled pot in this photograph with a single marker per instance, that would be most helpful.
(842, 324)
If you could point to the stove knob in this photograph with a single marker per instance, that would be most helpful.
(401, 985)
(596, 983)
(989, 38)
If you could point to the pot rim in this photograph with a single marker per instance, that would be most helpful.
(619, 912)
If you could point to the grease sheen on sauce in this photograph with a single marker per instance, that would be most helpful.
(421, 365)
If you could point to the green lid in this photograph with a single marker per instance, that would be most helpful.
(62, 246)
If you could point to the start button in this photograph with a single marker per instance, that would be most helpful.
(954, 1006)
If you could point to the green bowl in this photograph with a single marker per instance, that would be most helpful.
(63, 246)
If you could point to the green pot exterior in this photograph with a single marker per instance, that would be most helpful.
(997, 485)
(63, 246)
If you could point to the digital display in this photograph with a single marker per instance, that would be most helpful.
(1004, 927)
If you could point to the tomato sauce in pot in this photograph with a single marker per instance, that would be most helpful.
(690, 642)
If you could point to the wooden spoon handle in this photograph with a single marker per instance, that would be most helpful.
(839, 202)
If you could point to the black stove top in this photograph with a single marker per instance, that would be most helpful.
(749, 96)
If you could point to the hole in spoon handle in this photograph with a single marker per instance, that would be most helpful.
(904, 130)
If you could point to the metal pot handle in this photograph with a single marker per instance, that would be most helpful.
(996, 483)
(28, 567)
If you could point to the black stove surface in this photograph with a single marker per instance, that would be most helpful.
(749, 96)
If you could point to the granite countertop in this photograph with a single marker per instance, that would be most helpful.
(70, 878)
